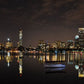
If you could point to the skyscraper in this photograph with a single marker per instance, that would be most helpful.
(20, 37)
(81, 37)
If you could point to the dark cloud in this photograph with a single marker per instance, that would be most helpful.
(68, 13)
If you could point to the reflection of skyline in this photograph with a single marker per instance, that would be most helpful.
(81, 70)
(20, 64)
(9, 58)
(68, 58)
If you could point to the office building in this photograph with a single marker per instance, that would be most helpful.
(81, 37)
(20, 37)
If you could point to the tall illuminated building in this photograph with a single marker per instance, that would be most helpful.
(81, 37)
(20, 37)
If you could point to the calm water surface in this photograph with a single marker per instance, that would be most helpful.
(42, 69)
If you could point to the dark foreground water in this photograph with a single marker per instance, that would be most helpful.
(42, 69)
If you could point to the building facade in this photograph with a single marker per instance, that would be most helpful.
(81, 37)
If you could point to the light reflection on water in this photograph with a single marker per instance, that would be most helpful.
(66, 60)
(69, 58)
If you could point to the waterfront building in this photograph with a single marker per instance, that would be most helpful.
(54, 45)
(41, 45)
(58, 44)
(70, 44)
(63, 45)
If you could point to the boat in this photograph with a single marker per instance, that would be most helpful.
(49, 68)
(54, 65)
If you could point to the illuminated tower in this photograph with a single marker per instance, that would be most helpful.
(81, 37)
(20, 37)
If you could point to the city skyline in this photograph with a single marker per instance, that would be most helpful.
(20, 41)
(40, 20)
(41, 41)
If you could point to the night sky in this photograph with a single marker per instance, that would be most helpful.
(47, 20)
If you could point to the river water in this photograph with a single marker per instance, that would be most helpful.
(42, 69)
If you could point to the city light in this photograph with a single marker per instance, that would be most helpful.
(8, 39)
